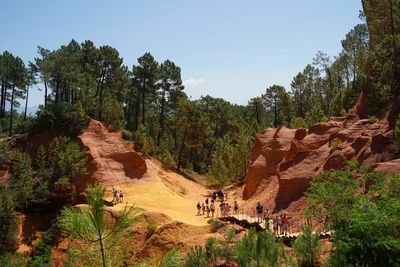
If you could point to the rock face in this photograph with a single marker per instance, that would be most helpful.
(109, 160)
(283, 160)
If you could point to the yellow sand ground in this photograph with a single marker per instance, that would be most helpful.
(166, 192)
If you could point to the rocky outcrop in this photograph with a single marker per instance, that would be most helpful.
(283, 160)
(109, 160)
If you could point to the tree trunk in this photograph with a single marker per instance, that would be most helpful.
(3, 103)
(103, 253)
(26, 102)
(45, 93)
(101, 96)
(11, 110)
(275, 113)
(181, 149)
(161, 119)
(143, 102)
(1, 99)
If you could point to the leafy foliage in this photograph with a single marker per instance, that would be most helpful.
(260, 249)
(362, 212)
(101, 235)
(307, 247)
(8, 221)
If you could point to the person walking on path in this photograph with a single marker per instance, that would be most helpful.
(275, 225)
(266, 218)
(212, 208)
(221, 208)
(285, 223)
(121, 196)
(235, 208)
(280, 229)
(198, 208)
(203, 208)
(208, 211)
(259, 210)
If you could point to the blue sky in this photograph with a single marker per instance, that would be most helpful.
(225, 48)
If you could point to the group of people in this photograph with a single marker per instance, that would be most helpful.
(118, 196)
(280, 224)
(209, 205)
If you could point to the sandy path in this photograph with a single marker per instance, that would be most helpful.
(166, 192)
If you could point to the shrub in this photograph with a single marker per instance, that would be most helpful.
(372, 119)
(170, 259)
(196, 257)
(8, 259)
(127, 135)
(260, 249)
(113, 113)
(307, 247)
(8, 221)
(299, 122)
(5, 152)
(362, 212)
(335, 143)
(151, 228)
(62, 117)
(22, 182)
(216, 224)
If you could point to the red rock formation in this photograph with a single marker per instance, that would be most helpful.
(283, 160)
(110, 161)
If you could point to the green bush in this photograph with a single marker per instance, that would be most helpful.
(8, 221)
(260, 249)
(299, 122)
(170, 259)
(5, 152)
(8, 259)
(196, 257)
(127, 135)
(335, 143)
(62, 117)
(362, 212)
(151, 228)
(22, 182)
(216, 224)
(372, 119)
(307, 247)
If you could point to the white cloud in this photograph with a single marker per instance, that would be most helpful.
(194, 82)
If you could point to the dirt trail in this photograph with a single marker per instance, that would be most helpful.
(164, 191)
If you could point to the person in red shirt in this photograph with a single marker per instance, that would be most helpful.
(285, 223)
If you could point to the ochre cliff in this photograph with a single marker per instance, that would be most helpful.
(283, 160)
(109, 160)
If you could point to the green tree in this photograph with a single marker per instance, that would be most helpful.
(145, 76)
(363, 213)
(22, 182)
(260, 249)
(8, 221)
(274, 97)
(92, 226)
(307, 247)
(171, 83)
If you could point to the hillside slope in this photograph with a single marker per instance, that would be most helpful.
(283, 160)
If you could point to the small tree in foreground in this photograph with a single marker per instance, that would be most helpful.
(95, 229)
(307, 247)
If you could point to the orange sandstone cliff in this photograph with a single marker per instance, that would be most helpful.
(283, 160)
